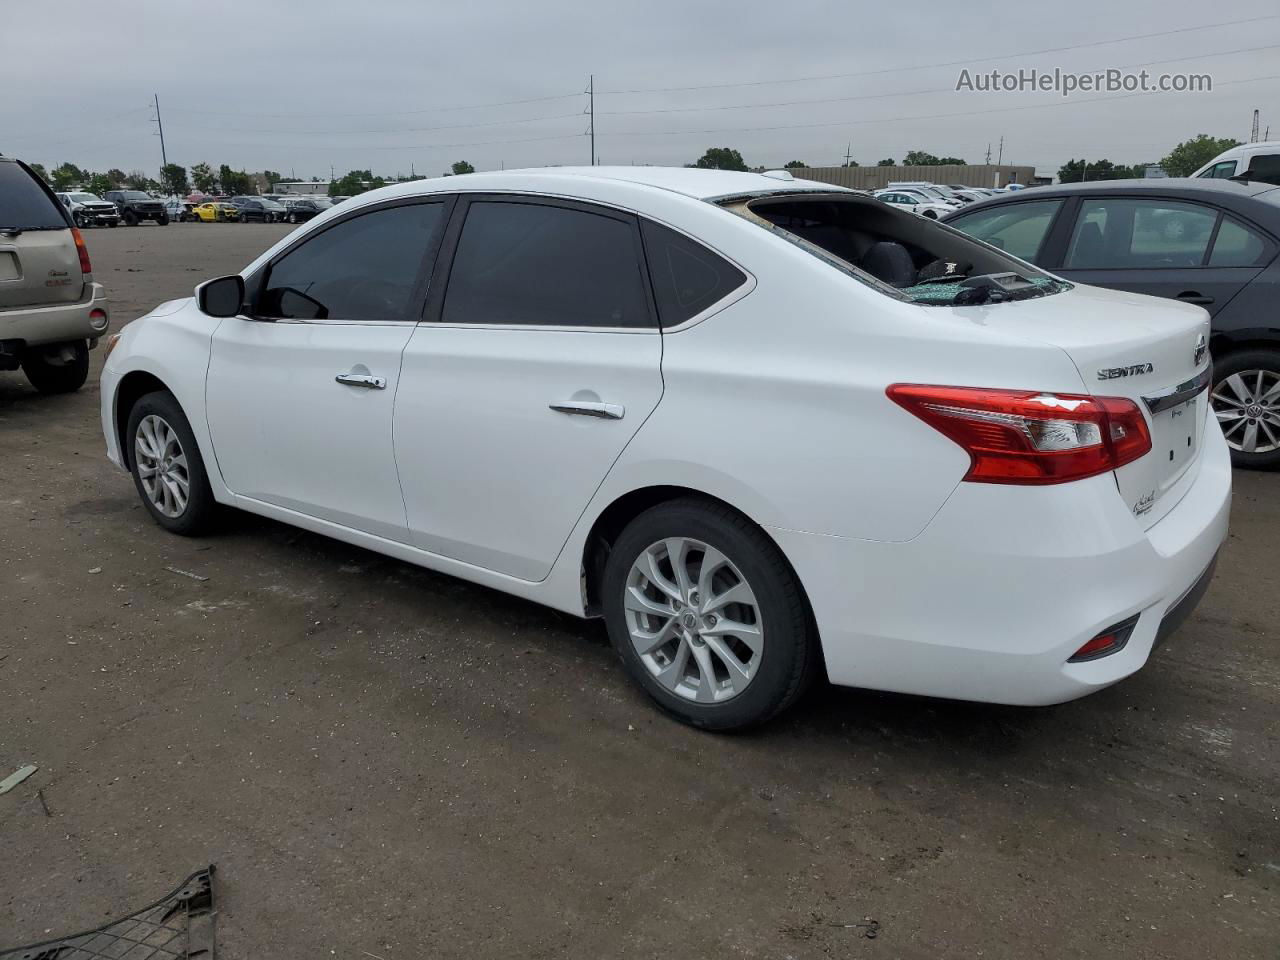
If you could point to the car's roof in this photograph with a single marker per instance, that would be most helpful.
(1189, 186)
(689, 181)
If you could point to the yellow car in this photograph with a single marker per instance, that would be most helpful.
(215, 210)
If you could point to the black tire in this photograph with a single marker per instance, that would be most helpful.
(164, 220)
(789, 653)
(293, 218)
(130, 218)
(931, 215)
(57, 367)
(79, 220)
(1224, 398)
(200, 510)
(113, 223)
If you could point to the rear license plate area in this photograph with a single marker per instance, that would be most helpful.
(1175, 437)
(9, 266)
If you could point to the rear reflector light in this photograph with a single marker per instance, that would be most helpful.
(1111, 640)
(81, 249)
(98, 319)
(1029, 437)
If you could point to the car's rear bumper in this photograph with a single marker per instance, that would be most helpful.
(1006, 583)
(59, 323)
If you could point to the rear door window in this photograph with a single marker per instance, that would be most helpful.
(1221, 170)
(1125, 234)
(687, 277)
(1238, 246)
(541, 264)
(1016, 228)
(23, 202)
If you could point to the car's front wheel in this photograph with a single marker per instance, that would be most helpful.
(58, 367)
(707, 615)
(79, 220)
(130, 218)
(167, 467)
(1246, 401)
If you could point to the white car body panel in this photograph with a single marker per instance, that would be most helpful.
(772, 401)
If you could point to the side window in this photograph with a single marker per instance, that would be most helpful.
(1264, 168)
(1124, 233)
(1221, 171)
(1237, 246)
(1016, 228)
(687, 277)
(365, 268)
(544, 265)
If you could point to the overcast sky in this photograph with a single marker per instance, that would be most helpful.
(397, 85)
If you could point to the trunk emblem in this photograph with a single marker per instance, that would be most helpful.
(1201, 349)
(1133, 370)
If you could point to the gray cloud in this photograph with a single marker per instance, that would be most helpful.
(304, 86)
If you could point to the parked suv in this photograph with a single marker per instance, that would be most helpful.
(51, 310)
(89, 208)
(136, 206)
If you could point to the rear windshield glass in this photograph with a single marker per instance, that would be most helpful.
(23, 204)
(136, 195)
(901, 254)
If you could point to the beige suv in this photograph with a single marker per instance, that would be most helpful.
(51, 310)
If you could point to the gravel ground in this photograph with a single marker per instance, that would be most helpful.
(387, 762)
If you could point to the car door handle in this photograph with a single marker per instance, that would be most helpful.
(362, 380)
(590, 408)
(1192, 296)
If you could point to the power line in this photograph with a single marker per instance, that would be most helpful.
(950, 63)
(934, 116)
(904, 93)
(451, 126)
(388, 113)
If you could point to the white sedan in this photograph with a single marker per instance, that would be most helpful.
(767, 429)
(932, 209)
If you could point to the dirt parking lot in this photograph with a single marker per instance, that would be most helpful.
(384, 762)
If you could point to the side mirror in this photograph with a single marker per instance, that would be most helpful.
(222, 297)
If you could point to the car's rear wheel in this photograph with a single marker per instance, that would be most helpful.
(1246, 401)
(166, 465)
(707, 615)
(57, 367)
(293, 218)
(164, 220)
(130, 218)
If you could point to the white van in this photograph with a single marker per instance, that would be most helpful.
(1261, 160)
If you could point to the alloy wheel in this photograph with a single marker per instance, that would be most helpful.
(1247, 405)
(162, 466)
(694, 620)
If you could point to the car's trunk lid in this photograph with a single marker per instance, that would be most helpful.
(1151, 351)
(39, 268)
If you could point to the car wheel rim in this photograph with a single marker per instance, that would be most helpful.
(1247, 405)
(693, 620)
(162, 466)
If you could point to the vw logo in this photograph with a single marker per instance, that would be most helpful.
(1201, 349)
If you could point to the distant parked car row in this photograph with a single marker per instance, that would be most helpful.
(933, 200)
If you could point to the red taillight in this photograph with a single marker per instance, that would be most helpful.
(1024, 436)
(81, 249)
(1112, 640)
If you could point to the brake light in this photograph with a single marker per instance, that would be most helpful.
(81, 249)
(1112, 640)
(1030, 437)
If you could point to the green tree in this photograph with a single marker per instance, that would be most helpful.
(117, 177)
(39, 170)
(272, 177)
(721, 158)
(462, 167)
(68, 175)
(796, 165)
(1074, 171)
(890, 162)
(99, 183)
(138, 180)
(235, 182)
(851, 163)
(203, 177)
(357, 181)
(922, 158)
(173, 178)
(1190, 155)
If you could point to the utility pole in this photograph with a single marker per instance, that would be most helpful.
(1253, 134)
(848, 153)
(164, 158)
(987, 162)
(591, 113)
(1084, 174)
(1000, 159)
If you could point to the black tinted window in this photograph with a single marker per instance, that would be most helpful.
(552, 266)
(363, 269)
(23, 203)
(687, 277)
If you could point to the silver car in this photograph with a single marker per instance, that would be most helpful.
(51, 310)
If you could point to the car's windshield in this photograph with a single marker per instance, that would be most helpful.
(23, 204)
(83, 197)
(902, 255)
(136, 195)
